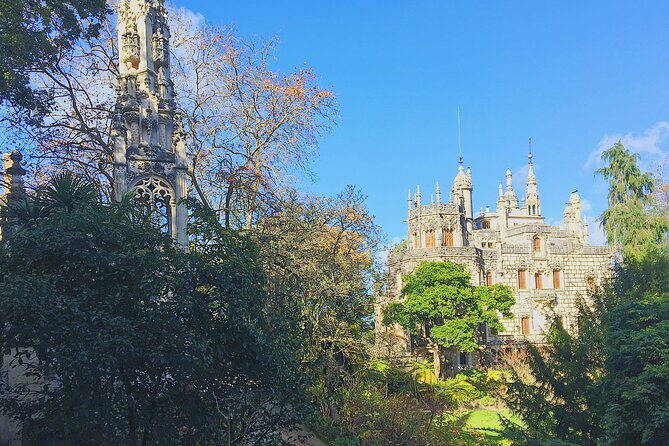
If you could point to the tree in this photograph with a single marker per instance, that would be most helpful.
(35, 34)
(636, 346)
(561, 397)
(317, 254)
(607, 384)
(126, 339)
(440, 297)
(632, 219)
(249, 128)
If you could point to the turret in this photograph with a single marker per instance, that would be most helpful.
(462, 192)
(510, 195)
(532, 203)
(572, 218)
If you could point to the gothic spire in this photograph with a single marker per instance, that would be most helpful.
(532, 203)
(149, 141)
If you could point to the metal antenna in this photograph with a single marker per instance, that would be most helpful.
(459, 143)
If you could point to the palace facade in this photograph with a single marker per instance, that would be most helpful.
(549, 268)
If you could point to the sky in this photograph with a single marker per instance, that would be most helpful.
(574, 76)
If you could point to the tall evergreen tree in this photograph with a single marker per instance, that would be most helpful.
(631, 220)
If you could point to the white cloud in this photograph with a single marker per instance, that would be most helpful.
(652, 145)
(586, 206)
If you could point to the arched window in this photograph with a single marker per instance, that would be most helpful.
(429, 239)
(157, 195)
(536, 244)
(485, 224)
(447, 237)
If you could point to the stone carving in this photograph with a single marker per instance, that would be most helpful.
(149, 144)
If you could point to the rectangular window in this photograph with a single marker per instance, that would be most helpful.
(525, 325)
(538, 281)
(522, 282)
(463, 359)
(488, 279)
(556, 279)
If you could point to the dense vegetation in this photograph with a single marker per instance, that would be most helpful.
(262, 327)
(608, 383)
(439, 295)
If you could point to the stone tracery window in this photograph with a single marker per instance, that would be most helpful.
(157, 195)
(447, 237)
(430, 239)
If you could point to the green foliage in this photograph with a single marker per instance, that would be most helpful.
(388, 406)
(440, 294)
(636, 384)
(561, 398)
(608, 385)
(129, 340)
(318, 256)
(632, 219)
(472, 388)
(32, 35)
(378, 419)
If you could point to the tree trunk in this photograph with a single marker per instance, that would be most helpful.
(228, 201)
(436, 354)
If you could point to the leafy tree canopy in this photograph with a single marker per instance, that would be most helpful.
(636, 384)
(632, 220)
(440, 295)
(33, 34)
(129, 340)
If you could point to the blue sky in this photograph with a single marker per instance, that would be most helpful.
(574, 76)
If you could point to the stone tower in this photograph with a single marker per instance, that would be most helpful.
(532, 203)
(148, 136)
(462, 194)
(13, 190)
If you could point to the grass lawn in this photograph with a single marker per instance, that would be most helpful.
(481, 419)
